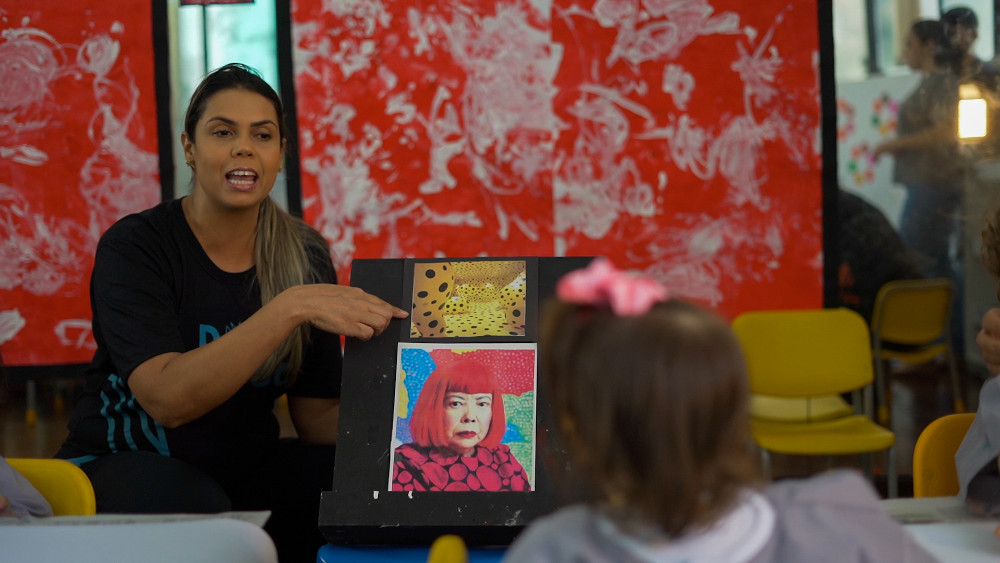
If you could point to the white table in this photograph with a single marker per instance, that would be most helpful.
(944, 527)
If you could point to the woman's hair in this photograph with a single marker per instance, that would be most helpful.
(284, 243)
(933, 31)
(989, 252)
(653, 410)
(463, 375)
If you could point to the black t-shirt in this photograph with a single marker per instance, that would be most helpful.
(154, 290)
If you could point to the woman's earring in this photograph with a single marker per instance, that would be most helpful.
(190, 164)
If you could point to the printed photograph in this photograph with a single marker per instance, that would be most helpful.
(464, 418)
(468, 298)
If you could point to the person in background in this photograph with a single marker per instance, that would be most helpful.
(931, 166)
(871, 254)
(457, 425)
(961, 27)
(651, 401)
(205, 310)
(928, 162)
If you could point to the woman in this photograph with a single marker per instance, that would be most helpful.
(457, 425)
(927, 159)
(205, 310)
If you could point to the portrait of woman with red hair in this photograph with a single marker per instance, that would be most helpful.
(457, 425)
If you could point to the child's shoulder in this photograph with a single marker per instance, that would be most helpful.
(568, 534)
(816, 517)
(841, 487)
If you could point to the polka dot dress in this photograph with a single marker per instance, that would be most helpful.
(431, 469)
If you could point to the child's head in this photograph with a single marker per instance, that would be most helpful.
(652, 404)
(460, 406)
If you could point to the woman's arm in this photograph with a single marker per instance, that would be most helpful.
(942, 132)
(315, 419)
(176, 388)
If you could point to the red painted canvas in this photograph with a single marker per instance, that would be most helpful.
(677, 137)
(78, 151)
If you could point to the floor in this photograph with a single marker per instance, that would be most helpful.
(919, 395)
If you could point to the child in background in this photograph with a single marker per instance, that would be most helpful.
(651, 399)
(977, 460)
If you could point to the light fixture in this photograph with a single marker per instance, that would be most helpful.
(971, 113)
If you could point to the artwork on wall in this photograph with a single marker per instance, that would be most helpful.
(681, 139)
(79, 151)
(867, 116)
(442, 433)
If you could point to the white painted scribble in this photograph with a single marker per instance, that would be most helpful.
(75, 333)
(678, 83)
(39, 253)
(11, 322)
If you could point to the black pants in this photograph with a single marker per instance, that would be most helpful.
(286, 480)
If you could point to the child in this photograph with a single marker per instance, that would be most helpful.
(651, 399)
(976, 460)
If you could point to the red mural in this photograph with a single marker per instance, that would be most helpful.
(677, 137)
(78, 151)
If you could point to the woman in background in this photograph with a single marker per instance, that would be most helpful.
(927, 159)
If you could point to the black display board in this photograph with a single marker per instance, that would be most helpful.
(361, 509)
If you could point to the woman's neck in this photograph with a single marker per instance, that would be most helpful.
(226, 236)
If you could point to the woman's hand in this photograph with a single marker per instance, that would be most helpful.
(988, 340)
(344, 310)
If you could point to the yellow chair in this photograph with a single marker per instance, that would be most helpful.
(64, 485)
(914, 315)
(448, 548)
(814, 353)
(934, 472)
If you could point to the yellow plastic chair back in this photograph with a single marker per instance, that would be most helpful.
(934, 472)
(912, 312)
(916, 314)
(802, 353)
(813, 353)
(64, 485)
(448, 548)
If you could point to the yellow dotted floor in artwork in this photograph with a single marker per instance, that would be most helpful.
(482, 319)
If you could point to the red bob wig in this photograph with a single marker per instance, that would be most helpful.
(464, 375)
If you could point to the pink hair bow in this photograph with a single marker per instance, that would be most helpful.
(601, 283)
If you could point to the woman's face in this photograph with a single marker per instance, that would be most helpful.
(467, 418)
(915, 52)
(237, 149)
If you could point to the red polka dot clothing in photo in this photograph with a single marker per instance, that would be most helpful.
(432, 469)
